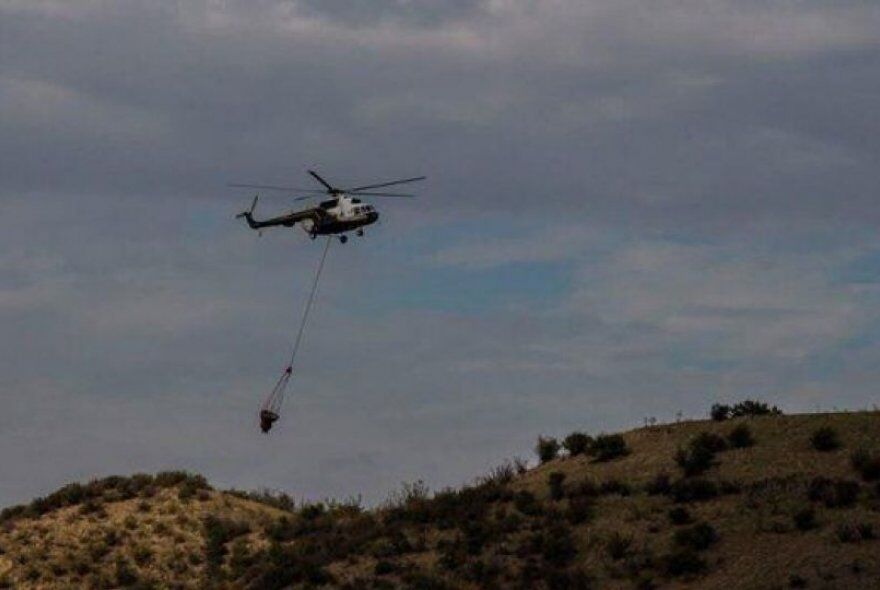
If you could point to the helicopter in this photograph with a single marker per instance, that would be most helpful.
(342, 212)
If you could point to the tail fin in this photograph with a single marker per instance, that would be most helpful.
(248, 215)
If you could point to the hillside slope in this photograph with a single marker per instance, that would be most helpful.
(786, 502)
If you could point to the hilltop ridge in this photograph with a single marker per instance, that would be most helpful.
(772, 501)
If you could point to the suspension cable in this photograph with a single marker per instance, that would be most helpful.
(275, 399)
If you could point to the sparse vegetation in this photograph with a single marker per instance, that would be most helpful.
(630, 523)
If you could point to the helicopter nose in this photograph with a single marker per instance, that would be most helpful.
(373, 216)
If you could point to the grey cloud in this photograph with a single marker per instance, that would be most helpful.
(365, 13)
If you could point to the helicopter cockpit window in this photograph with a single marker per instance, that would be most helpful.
(355, 200)
(328, 204)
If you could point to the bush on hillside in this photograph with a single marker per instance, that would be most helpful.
(547, 448)
(577, 443)
(805, 519)
(679, 515)
(709, 440)
(660, 485)
(555, 482)
(615, 486)
(699, 455)
(219, 532)
(855, 533)
(580, 509)
(694, 490)
(694, 461)
(698, 537)
(867, 464)
(740, 437)
(683, 562)
(720, 412)
(753, 408)
(825, 439)
(526, 503)
(838, 493)
(607, 447)
(617, 545)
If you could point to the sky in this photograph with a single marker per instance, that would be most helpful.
(633, 209)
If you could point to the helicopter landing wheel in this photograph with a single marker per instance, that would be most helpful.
(343, 239)
(313, 236)
(360, 233)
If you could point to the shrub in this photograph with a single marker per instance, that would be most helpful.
(526, 503)
(694, 461)
(698, 537)
(720, 412)
(709, 440)
(661, 485)
(694, 490)
(699, 455)
(580, 509)
(125, 574)
(825, 439)
(846, 493)
(547, 448)
(609, 446)
(839, 493)
(867, 464)
(555, 482)
(683, 562)
(577, 443)
(218, 532)
(754, 408)
(384, 568)
(587, 488)
(740, 437)
(680, 515)
(847, 533)
(142, 555)
(557, 546)
(805, 519)
(615, 486)
(617, 545)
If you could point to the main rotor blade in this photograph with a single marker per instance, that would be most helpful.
(270, 187)
(401, 181)
(322, 181)
(384, 194)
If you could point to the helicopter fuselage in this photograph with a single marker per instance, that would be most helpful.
(334, 216)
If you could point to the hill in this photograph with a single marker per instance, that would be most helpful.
(765, 501)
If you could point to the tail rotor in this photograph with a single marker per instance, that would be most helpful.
(249, 214)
